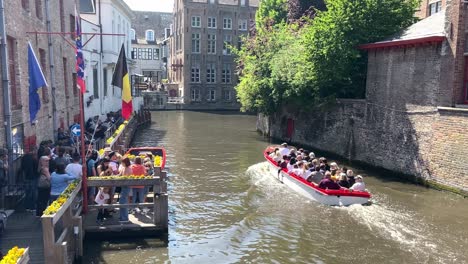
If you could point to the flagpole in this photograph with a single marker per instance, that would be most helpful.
(84, 181)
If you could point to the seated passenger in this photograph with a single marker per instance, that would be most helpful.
(292, 153)
(277, 157)
(307, 172)
(316, 176)
(299, 171)
(359, 185)
(291, 164)
(284, 162)
(343, 182)
(327, 183)
(334, 171)
(273, 153)
(324, 162)
(350, 175)
(284, 150)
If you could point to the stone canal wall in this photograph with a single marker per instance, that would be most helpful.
(426, 142)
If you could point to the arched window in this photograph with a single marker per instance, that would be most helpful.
(149, 35)
(132, 34)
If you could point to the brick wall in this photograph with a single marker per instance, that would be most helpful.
(398, 126)
(18, 22)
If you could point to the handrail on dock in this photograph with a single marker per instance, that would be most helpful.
(160, 199)
(69, 244)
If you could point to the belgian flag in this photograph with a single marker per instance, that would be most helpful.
(122, 79)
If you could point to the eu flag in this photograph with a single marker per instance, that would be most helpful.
(36, 81)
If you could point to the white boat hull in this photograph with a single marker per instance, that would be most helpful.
(311, 192)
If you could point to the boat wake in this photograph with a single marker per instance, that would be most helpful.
(383, 218)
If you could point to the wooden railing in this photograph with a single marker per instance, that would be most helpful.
(69, 244)
(160, 199)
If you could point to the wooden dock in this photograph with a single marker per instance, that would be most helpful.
(24, 230)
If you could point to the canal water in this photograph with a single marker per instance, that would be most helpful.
(224, 208)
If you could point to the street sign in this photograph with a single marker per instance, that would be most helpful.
(76, 130)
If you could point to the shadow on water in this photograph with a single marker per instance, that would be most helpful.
(149, 137)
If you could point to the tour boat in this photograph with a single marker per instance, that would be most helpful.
(155, 151)
(341, 197)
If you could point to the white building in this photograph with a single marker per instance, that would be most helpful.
(102, 51)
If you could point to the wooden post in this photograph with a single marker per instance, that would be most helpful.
(78, 222)
(48, 237)
(156, 207)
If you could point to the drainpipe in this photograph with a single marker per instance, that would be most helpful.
(6, 93)
(101, 55)
(52, 69)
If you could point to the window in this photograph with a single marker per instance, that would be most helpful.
(435, 7)
(211, 95)
(155, 54)
(243, 24)
(226, 73)
(39, 9)
(72, 27)
(227, 95)
(195, 94)
(104, 77)
(149, 35)
(195, 78)
(196, 21)
(132, 34)
(167, 33)
(212, 1)
(211, 44)
(226, 44)
(212, 22)
(211, 73)
(195, 42)
(43, 62)
(15, 91)
(87, 6)
(65, 76)
(227, 23)
(25, 4)
(242, 2)
(95, 84)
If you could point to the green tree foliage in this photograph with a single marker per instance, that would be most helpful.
(305, 64)
(271, 12)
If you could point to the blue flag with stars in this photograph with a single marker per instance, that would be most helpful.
(36, 81)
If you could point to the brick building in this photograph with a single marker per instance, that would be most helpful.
(149, 34)
(430, 7)
(60, 105)
(202, 64)
(415, 114)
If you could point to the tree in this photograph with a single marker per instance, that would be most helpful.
(318, 59)
(300, 8)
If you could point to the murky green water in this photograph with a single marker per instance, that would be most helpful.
(225, 209)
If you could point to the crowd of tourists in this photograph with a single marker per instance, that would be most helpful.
(318, 171)
(49, 170)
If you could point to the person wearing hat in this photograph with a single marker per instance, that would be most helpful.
(359, 185)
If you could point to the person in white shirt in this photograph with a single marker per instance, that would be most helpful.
(284, 150)
(359, 185)
(75, 168)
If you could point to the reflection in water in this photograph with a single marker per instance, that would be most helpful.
(224, 208)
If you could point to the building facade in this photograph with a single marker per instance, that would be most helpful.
(202, 66)
(430, 7)
(59, 100)
(149, 34)
(112, 19)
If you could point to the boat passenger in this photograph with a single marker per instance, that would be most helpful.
(277, 157)
(325, 162)
(327, 183)
(307, 172)
(315, 163)
(334, 171)
(125, 170)
(359, 185)
(292, 153)
(284, 162)
(316, 176)
(351, 179)
(291, 164)
(299, 158)
(284, 150)
(273, 153)
(312, 155)
(299, 171)
(306, 156)
(343, 182)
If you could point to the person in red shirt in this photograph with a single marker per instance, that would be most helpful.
(139, 192)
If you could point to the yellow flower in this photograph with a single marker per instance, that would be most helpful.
(157, 161)
(13, 255)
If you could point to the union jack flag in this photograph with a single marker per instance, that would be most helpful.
(80, 66)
